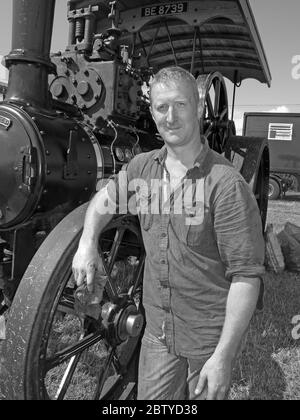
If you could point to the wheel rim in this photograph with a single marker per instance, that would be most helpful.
(214, 122)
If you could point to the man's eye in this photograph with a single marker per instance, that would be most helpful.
(181, 104)
(162, 108)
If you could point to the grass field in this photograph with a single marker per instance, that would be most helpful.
(268, 367)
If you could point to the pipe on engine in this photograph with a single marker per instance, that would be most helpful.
(29, 61)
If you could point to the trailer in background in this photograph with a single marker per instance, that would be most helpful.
(283, 133)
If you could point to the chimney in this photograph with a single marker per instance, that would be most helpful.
(29, 61)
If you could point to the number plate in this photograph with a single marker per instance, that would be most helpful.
(165, 9)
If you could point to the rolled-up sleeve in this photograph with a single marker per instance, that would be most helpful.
(238, 231)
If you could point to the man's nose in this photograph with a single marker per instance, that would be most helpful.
(172, 115)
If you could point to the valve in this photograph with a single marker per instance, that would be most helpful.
(114, 17)
(113, 10)
(125, 54)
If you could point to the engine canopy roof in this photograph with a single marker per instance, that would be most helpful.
(199, 35)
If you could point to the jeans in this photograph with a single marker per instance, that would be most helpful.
(165, 376)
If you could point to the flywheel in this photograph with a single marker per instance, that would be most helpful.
(214, 123)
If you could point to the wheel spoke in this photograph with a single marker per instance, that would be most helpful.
(217, 97)
(223, 114)
(103, 374)
(68, 375)
(210, 108)
(214, 141)
(109, 264)
(72, 350)
(139, 273)
(208, 132)
(115, 248)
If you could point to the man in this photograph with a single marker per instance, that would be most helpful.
(204, 263)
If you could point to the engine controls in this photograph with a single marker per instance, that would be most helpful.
(128, 99)
(120, 154)
(100, 90)
(83, 88)
(128, 154)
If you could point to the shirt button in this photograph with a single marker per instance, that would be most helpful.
(163, 261)
(163, 235)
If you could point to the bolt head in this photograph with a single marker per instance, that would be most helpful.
(83, 87)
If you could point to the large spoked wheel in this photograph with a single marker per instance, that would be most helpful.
(214, 122)
(54, 351)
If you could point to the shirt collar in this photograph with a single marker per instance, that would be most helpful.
(161, 155)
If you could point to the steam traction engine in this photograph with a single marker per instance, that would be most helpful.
(67, 124)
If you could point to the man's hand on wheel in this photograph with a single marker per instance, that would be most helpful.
(85, 264)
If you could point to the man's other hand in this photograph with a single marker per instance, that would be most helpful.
(214, 379)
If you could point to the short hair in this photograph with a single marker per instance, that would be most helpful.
(176, 74)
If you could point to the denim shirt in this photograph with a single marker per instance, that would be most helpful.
(192, 257)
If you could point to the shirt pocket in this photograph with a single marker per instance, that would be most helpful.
(194, 224)
(189, 226)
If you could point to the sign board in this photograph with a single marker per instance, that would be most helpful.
(280, 131)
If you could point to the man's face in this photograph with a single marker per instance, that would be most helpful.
(175, 111)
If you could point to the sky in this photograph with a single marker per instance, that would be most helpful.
(279, 28)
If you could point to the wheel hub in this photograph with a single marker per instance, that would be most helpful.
(121, 322)
(130, 323)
